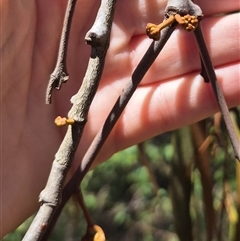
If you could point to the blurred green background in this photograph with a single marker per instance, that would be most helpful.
(179, 186)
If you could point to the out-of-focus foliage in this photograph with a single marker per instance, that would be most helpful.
(157, 190)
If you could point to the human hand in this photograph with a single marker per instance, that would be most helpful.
(171, 95)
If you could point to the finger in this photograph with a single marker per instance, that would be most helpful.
(134, 14)
(217, 7)
(180, 53)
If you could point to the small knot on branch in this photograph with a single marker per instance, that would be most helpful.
(95, 40)
(90, 38)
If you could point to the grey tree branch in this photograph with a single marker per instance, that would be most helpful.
(122, 101)
(141, 69)
(60, 74)
(209, 73)
(98, 37)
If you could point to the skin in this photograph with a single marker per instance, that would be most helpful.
(171, 95)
